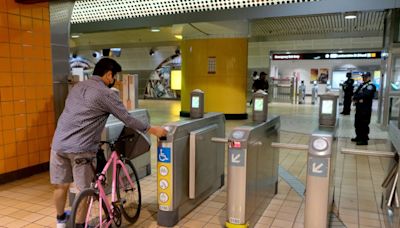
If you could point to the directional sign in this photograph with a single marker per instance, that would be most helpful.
(318, 167)
(236, 157)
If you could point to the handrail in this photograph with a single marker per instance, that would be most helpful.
(290, 146)
(220, 140)
(374, 153)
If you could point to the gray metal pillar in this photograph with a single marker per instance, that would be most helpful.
(391, 26)
(60, 16)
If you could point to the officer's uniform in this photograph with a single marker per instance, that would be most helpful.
(363, 101)
(348, 93)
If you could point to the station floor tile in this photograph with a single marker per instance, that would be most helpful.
(28, 202)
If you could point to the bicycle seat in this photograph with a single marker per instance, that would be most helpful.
(132, 143)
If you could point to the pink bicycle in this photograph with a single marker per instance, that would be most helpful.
(94, 208)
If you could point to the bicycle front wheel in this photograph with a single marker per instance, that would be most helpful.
(86, 210)
(128, 191)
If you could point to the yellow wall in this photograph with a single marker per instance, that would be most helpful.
(26, 97)
(225, 91)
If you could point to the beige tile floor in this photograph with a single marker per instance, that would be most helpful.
(28, 202)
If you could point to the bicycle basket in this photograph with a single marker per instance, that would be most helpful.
(132, 143)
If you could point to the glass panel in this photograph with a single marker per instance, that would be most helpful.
(395, 81)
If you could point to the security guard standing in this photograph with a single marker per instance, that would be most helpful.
(363, 101)
(348, 93)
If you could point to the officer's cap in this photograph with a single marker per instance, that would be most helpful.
(366, 74)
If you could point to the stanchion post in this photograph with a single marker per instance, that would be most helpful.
(319, 174)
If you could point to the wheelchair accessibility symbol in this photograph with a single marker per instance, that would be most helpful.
(164, 154)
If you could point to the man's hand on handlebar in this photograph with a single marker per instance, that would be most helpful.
(158, 131)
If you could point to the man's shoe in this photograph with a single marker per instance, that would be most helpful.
(354, 139)
(362, 143)
(62, 223)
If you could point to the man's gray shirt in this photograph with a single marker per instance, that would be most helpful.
(87, 108)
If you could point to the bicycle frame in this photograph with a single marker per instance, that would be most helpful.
(113, 160)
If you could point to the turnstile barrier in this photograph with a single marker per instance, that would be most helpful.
(320, 179)
(252, 171)
(321, 161)
(190, 167)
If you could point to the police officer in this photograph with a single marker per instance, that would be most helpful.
(348, 93)
(363, 101)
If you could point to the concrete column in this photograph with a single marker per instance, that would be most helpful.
(219, 68)
(60, 16)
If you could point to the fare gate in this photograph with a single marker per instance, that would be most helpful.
(190, 167)
(252, 171)
(252, 165)
(321, 160)
(283, 90)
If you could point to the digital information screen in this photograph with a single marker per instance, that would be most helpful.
(195, 102)
(327, 107)
(258, 104)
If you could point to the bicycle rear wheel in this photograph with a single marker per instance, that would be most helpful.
(85, 210)
(129, 195)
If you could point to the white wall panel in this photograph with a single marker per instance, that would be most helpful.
(255, 48)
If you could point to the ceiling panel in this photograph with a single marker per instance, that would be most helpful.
(369, 23)
(104, 10)
(366, 24)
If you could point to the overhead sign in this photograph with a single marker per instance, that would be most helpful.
(325, 56)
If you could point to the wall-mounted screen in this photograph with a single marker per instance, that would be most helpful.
(327, 107)
(258, 104)
(195, 101)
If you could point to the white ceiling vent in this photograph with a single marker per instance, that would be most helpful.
(104, 10)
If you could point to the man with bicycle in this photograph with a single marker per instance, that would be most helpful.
(79, 128)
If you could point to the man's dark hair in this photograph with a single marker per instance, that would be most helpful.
(106, 64)
(348, 74)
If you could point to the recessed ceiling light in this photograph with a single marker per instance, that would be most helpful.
(350, 16)
(179, 37)
(155, 29)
